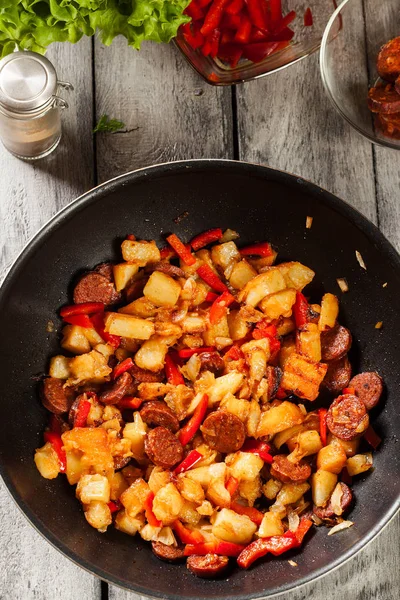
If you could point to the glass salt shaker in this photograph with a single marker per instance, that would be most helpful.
(30, 121)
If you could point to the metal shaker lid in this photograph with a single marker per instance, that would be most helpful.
(27, 81)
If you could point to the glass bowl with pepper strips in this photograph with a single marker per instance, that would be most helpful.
(188, 408)
(229, 41)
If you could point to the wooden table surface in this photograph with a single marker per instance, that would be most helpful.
(284, 121)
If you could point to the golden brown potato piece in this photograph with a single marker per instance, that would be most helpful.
(302, 377)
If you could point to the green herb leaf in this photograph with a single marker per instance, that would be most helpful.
(108, 125)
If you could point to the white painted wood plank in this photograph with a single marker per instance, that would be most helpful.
(169, 112)
(29, 195)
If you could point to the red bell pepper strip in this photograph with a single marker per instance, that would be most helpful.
(188, 431)
(230, 53)
(345, 477)
(322, 412)
(259, 36)
(57, 443)
(172, 372)
(255, 515)
(232, 486)
(285, 35)
(122, 367)
(188, 352)
(257, 52)
(80, 320)
(286, 21)
(211, 297)
(349, 390)
(130, 402)
(192, 458)
(257, 14)
(168, 252)
(212, 235)
(219, 307)
(186, 535)
(148, 508)
(281, 393)
(243, 33)
(263, 329)
(113, 506)
(195, 11)
(300, 310)
(207, 274)
(98, 323)
(182, 251)
(276, 545)
(235, 7)
(308, 18)
(86, 308)
(304, 525)
(82, 413)
(212, 44)
(220, 548)
(275, 9)
(231, 22)
(234, 353)
(372, 437)
(264, 249)
(260, 448)
(214, 16)
(195, 39)
(203, 3)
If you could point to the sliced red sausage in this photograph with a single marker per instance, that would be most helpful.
(165, 267)
(94, 287)
(106, 269)
(121, 461)
(167, 553)
(384, 99)
(115, 391)
(55, 397)
(211, 361)
(274, 376)
(208, 566)
(135, 289)
(388, 62)
(335, 343)
(156, 413)
(368, 387)
(286, 471)
(345, 502)
(347, 417)
(397, 85)
(223, 432)
(144, 376)
(163, 448)
(338, 375)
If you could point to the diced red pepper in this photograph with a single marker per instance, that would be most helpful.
(243, 33)
(259, 36)
(168, 252)
(257, 14)
(275, 10)
(300, 310)
(219, 307)
(372, 437)
(195, 39)
(286, 21)
(345, 477)
(232, 486)
(285, 35)
(231, 22)
(82, 413)
(322, 412)
(86, 308)
(234, 353)
(80, 320)
(211, 44)
(114, 506)
(192, 458)
(122, 367)
(172, 371)
(304, 525)
(131, 237)
(58, 446)
(214, 16)
(276, 545)
(349, 390)
(257, 52)
(182, 251)
(264, 249)
(195, 11)
(188, 352)
(255, 515)
(281, 393)
(188, 431)
(257, 447)
(212, 235)
(220, 548)
(150, 516)
(186, 535)
(130, 402)
(211, 296)
(308, 18)
(211, 279)
(235, 7)
(98, 323)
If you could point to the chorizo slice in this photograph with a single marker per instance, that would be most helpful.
(167, 268)
(145, 376)
(388, 62)
(286, 471)
(93, 287)
(397, 85)
(347, 417)
(211, 361)
(105, 269)
(274, 376)
(327, 512)
(208, 566)
(368, 387)
(335, 343)
(55, 397)
(157, 413)
(223, 432)
(338, 375)
(115, 391)
(384, 99)
(121, 461)
(167, 553)
(163, 448)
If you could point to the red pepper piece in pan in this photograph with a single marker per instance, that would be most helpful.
(219, 307)
(264, 249)
(113, 506)
(257, 447)
(122, 367)
(208, 275)
(82, 413)
(188, 352)
(220, 548)
(281, 393)
(80, 320)
(372, 437)
(86, 308)
(255, 515)
(182, 251)
(234, 353)
(186, 535)
(275, 545)
(188, 431)
(211, 296)
(192, 458)
(232, 486)
(214, 16)
(172, 371)
(150, 516)
(304, 525)
(322, 412)
(212, 235)
(98, 323)
(130, 402)
(57, 443)
(308, 18)
(167, 253)
(300, 310)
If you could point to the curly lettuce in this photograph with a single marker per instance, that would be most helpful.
(34, 24)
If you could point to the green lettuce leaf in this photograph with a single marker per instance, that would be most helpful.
(34, 24)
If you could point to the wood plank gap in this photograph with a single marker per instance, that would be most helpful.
(235, 129)
(95, 170)
(104, 590)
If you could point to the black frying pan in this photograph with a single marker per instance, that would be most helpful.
(261, 204)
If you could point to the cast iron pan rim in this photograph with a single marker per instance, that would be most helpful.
(110, 186)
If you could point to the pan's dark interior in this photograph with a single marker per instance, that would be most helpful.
(261, 204)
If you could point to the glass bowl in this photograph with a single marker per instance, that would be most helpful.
(306, 40)
(350, 46)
